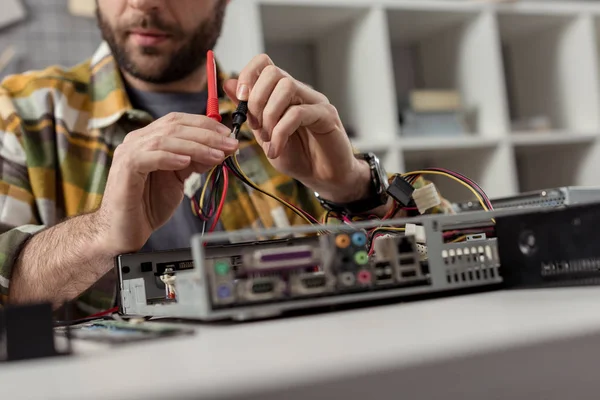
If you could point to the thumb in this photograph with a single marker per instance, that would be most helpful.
(230, 87)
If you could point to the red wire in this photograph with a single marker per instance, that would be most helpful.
(222, 202)
(104, 313)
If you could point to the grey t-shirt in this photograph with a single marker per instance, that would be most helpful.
(177, 232)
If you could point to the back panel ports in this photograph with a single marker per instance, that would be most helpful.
(407, 245)
(261, 289)
(364, 277)
(223, 293)
(384, 273)
(222, 275)
(408, 274)
(404, 261)
(361, 257)
(312, 283)
(347, 279)
(342, 241)
(281, 258)
(359, 239)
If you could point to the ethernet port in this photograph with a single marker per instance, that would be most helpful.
(406, 245)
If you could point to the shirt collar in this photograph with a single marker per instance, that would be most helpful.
(109, 96)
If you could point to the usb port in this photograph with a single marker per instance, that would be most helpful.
(407, 261)
(412, 273)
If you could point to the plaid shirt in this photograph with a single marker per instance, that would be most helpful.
(58, 131)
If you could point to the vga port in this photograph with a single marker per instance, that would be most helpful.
(312, 283)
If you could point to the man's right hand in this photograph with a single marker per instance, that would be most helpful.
(145, 182)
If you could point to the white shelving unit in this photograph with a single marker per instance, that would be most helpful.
(508, 62)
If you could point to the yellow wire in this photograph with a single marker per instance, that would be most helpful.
(325, 217)
(453, 178)
(206, 182)
(256, 187)
(389, 229)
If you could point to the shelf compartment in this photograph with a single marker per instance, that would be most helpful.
(556, 138)
(454, 50)
(341, 51)
(550, 69)
(489, 166)
(551, 165)
(444, 144)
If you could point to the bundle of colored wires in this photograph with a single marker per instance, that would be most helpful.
(233, 165)
(457, 177)
(209, 206)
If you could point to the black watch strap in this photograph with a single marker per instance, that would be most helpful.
(377, 196)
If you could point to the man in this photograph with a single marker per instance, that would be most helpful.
(108, 145)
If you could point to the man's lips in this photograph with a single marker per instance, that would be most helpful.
(148, 38)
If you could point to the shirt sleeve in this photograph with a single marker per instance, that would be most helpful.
(18, 221)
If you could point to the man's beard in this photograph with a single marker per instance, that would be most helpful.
(176, 65)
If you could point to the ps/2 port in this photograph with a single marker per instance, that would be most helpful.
(224, 291)
(221, 268)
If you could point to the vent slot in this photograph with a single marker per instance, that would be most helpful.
(471, 262)
(554, 268)
(532, 202)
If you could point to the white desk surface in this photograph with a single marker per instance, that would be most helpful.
(243, 359)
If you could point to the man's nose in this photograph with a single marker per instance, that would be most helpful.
(146, 5)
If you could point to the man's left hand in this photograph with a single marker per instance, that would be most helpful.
(300, 131)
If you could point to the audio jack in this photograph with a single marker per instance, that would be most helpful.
(239, 118)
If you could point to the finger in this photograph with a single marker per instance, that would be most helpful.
(198, 135)
(261, 92)
(321, 118)
(282, 97)
(193, 167)
(198, 152)
(250, 75)
(230, 88)
(196, 121)
(158, 160)
(171, 121)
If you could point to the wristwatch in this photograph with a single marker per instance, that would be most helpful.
(377, 193)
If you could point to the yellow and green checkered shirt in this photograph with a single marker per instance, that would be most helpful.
(58, 131)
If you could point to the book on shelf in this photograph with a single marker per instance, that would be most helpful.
(434, 113)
